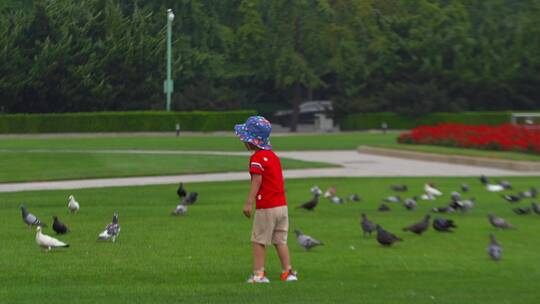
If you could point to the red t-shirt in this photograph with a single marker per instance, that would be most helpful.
(271, 193)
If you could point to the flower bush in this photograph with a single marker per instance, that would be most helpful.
(505, 137)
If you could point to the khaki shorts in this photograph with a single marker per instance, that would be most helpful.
(270, 226)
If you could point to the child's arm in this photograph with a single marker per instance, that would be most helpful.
(256, 180)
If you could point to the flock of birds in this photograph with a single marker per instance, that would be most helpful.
(440, 224)
(111, 232)
(384, 237)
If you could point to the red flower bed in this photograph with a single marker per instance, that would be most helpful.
(506, 137)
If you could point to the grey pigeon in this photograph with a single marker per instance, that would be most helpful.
(535, 208)
(181, 209)
(191, 198)
(484, 180)
(306, 241)
(393, 199)
(419, 227)
(58, 226)
(367, 226)
(336, 200)
(30, 219)
(456, 196)
(383, 208)
(447, 209)
(511, 198)
(111, 230)
(494, 249)
(465, 187)
(532, 193)
(399, 188)
(354, 198)
(522, 211)
(410, 203)
(498, 222)
(310, 205)
(386, 238)
(443, 225)
(505, 184)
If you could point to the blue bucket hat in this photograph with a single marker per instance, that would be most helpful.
(256, 130)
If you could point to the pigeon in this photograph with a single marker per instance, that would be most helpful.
(383, 208)
(46, 242)
(316, 190)
(181, 191)
(58, 226)
(511, 198)
(446, 209)
(455, 196)
(535, 207)
(419, 227)
(484, 180)
(505, 184)
(30, 219)
(354, 198)
(330, 192)
(494, 249)
(393, 199)
(399, 188)
(310, 205)
(410, 203)
(111, 230)
(464, 205)
(443, 225)
(494, 187)
(337, 200)
(430, 189)
(465, 187)
(498, 222)
(306, 241)
(191, 198)
(367, 226)
(531, 193)
(181, 209)
(386, 238)
(522, 211)
(73, 205)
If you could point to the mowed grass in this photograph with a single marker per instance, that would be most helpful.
(336, 141)
(42, 166)
(205, 256)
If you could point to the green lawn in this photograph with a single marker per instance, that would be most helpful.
(204, 257)
(459, 151)
(338, 141)
(41, 166)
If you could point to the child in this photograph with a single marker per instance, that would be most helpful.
(271, 223)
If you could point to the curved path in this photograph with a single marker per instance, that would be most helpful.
(353, 164)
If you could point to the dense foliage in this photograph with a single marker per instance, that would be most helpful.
(411, 57)
(362, 121)
(134, 121)
(506, 137)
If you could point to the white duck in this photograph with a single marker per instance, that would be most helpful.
(73, 205)
(431, 190)
(46, 242)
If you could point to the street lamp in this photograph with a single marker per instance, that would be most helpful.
(168, 84)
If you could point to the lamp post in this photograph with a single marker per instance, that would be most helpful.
(168, 84)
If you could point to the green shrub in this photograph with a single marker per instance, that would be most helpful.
(121, 121)
(360, 121)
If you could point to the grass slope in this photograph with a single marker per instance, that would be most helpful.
(42, 166)
(204, 257)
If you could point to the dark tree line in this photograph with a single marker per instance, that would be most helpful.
(406, 56)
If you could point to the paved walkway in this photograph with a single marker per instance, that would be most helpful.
(353, 164)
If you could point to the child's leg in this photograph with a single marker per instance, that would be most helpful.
(283, 253)
(258, 256)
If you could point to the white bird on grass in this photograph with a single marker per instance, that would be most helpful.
(46, 242)
(431, 190)
(73, 205)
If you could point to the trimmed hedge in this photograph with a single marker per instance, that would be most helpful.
(359, 121)
(121, 121)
